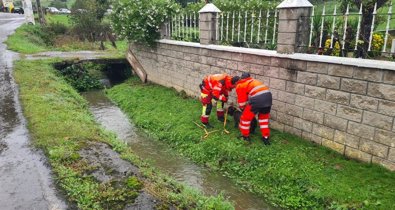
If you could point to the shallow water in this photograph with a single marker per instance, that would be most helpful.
(164, 158)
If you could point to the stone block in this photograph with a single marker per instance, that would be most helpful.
(307, 78)
(364, 102)
(385, 137)
(391, 155)
(374, 75)
(315, 92)
(285, 49)
(338, 97)
(382, 91)
(385, 163)
(333, 145)
(298, 65)
(287, 74)
(314, 138)
(277, 84)
(327, 81)
(248, 58)
(325, 107)
(387, 108)
(286, 97)
(221, 62)
(262, 60)
(317, 67)
(377, 120)
(272, 72)
(236, 56)
(336, 123)
(230, 64)
(313, 116)
(288, 26)
(273, 115)
(286, 38)
(278, 106)
(276, 125)
(347, 139)
(323, 131)
(357, 154)
(374, 148)
(284, 118)
(304, 101)
(349, 113)
(389, 77)
(256, 69)
(294, 110)
(360, 130)
(303, 125)
(242, 66)
(296, 88)
(354, 86)
(340, 70)
(292, 130)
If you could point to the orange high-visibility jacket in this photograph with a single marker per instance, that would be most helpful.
(215, 84)
(248, 88)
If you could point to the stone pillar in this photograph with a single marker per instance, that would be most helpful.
(207, 24)
(293, 26)
(393, 47)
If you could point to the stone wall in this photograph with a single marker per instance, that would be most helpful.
(345, 104)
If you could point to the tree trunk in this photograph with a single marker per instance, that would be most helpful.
(40, 13)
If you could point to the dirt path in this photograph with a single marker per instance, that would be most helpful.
(25, 178)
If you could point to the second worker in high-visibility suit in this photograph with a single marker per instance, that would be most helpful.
(217, 87)
(254, 98)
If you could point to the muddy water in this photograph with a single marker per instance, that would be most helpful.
(25, 179)
(164, 158)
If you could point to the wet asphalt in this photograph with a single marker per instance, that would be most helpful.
(25, 177)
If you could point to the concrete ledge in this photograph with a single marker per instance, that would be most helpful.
(356, 62)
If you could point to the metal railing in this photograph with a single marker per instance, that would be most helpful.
(183, 27)
(341, 33)
(255, 29)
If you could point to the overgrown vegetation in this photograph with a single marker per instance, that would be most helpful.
(139, 21)
(78, 76)
(56, 36)
(61, 125)
(291, 173)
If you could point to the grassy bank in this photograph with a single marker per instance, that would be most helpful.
(61, 125)
(291, 173)
(55, 36)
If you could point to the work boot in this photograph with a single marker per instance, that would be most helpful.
(266, 140)
(246, 139)
(208, 125)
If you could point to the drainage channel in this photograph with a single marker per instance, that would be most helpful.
(165, 158)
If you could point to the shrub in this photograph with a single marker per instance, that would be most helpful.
(139, 21)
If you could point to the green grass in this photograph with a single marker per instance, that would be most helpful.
(29, 39)
(62, 19)
(61, 125)
(291, 173)
(26, 40)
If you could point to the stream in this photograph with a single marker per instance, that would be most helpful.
(165, 158)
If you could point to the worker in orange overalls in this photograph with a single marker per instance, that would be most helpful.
(254, 98)
(215, 87)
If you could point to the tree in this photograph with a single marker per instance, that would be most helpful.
(40, 13)
(367, 18)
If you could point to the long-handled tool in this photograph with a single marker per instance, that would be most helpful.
(226, 117)
(205, 130)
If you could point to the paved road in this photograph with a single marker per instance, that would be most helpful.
(25, 178)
